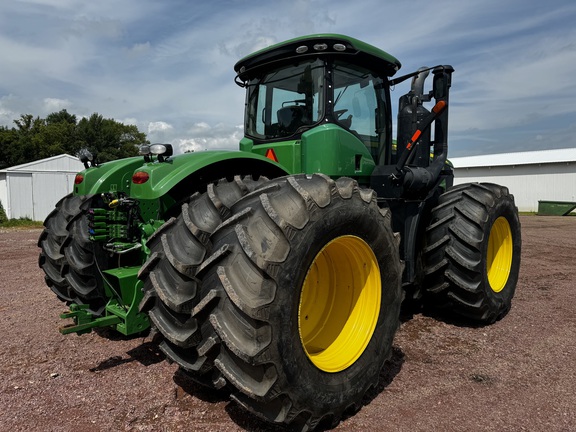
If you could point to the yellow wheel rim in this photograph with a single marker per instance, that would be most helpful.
(499, 257)
(339, 303)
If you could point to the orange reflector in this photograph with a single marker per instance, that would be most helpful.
(140, 177)
(271, 155)
(414, 138)
(439, 107)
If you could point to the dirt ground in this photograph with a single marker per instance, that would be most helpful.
(516, 375)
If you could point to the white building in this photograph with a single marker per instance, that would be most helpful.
(545, 175)
(32, 189)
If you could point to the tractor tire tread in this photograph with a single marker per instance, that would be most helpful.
(455, 252)
(241, 294)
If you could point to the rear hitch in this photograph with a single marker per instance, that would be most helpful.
(121, 312)
(84, 321)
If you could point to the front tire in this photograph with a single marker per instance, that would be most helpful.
(472, 253)
(300, 300)
(171, 284)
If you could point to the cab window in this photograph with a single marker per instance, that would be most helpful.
(359, 104)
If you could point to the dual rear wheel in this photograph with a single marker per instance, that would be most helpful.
(472, 253)
(68, 257)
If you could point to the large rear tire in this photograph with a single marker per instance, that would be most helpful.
(67, 255)
(52, 260)
(86, 260)
(300, 300)
(472, 253)
(177, 249)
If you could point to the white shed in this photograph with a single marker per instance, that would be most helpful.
(544, 175)
(32, 189)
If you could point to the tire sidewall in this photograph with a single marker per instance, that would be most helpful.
(503, 208)
(304, 377)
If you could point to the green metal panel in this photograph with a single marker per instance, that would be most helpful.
(333, 151)
(110, 176)
(289, 153)
(126, 294)
(328, 149)
(362, 51)
(117, 175)
(165, 175)
(555, 208)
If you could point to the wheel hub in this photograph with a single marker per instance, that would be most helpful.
(339, 303)
(499, 256)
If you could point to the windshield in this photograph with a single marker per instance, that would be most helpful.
(360, 104)
(285, 101)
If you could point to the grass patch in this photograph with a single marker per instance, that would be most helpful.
(20, 223)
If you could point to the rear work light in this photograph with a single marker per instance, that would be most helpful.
(140, 177)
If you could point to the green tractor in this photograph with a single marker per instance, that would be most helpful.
(278, 271)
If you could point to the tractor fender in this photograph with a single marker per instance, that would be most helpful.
(184, 174)
(110, 176)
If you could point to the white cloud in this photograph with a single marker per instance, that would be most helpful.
(54, 105)
(159, 126)
(89, 26)
(7, 114)
(129, 121)
(139, 49)
(199, 128)
(202, 136)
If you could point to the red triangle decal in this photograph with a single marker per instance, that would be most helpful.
(271, 155)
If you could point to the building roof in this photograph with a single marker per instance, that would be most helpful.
(60, 163)
(518, 158)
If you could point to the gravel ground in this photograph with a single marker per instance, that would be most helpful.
(516, 375)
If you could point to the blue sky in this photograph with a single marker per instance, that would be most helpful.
(167, 66)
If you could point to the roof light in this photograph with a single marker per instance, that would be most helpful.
(339, 47)
(140, 177)
(84, 155)
(87, 158)
(157, 149)
(161, 149)
(301, 49)
(320, 46)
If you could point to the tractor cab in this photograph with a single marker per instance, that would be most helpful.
(321, 103)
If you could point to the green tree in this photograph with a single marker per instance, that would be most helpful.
(61, 116)
(60, 132)
(21, 144)
(109, 138)
(3, 217)
(8, 146)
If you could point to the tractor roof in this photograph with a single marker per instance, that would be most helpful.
(353, 50)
